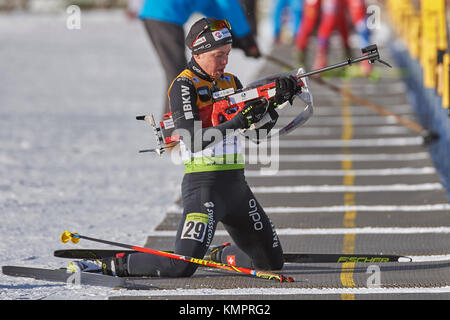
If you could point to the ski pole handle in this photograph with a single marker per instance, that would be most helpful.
(66, 236)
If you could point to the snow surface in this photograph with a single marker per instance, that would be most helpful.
(69, 141)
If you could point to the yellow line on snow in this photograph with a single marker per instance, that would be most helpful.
(347, 268)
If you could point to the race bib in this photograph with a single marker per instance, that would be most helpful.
(195, 226)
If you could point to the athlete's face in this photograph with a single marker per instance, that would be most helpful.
(214, 62)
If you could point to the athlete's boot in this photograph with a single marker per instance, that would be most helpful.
(231, 255)
(215, 252)
(108, 266)
(93, 266)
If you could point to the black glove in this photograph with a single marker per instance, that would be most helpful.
(248, 45)
(254, 111)
(263, 131)
(286, 88)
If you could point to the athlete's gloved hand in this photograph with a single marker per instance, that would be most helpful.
(248, 44)
(254, 111)
(286, 88)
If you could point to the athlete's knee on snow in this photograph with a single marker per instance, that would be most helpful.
(144, 264)
(277, 264)
(274, 263)
(233, 255)
(181, 270)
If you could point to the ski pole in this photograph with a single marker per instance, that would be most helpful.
(428, 137)
(75, 238)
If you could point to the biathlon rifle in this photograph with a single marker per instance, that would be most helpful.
(228, 103)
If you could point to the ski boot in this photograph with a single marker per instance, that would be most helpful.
(92, 266)
(108, 266)
(231, 255)
(215, 253)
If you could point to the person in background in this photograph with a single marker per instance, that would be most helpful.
(330, 13)
(289, 11)
(358, 14)
(333, 16)
(133, 8)
(251, 9)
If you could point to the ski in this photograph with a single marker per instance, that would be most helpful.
(342, 258)
(65, 276)
(288, 257)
